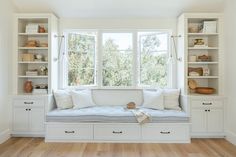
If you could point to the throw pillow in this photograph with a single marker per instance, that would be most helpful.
(171, 99)
(153, 99)
(82, 99)
(63, 99)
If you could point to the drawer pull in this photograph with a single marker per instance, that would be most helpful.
(117, 132)
(204, 103)
(165, 132)
(28, 103)
(69, 132)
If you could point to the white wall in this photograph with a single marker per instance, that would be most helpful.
(6, 11)
(122, 24)
(230, 61)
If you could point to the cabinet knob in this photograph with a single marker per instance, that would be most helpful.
(117, 132)
(69, 132)
(165, 132)
(205, 110)
(26, 109)
(28, 103)
(204, 103)
(209, 110)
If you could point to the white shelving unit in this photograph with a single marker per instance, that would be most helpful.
(207, 111)
(212, 47)
(29, 108)
(50, 23)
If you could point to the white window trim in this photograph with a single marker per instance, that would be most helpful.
(63, 70)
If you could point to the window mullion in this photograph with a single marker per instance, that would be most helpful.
(135, 66)
(99, 60)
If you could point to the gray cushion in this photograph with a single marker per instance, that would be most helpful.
(111, 114)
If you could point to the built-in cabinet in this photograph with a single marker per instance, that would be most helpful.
(207, 117)
(29, 115)
(200, 45)
(35, 64)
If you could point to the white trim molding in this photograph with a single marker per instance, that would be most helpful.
(231, 137)
(4, 136)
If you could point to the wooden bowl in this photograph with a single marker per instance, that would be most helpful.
(205, 90)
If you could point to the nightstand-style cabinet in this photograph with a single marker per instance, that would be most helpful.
(28, 116)
(207, 117)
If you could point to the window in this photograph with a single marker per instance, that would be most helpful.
(117, 59)
(81, 49)
(153, 48)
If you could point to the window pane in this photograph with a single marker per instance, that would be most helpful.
(153, 59)
(117, 59)
(81, 58)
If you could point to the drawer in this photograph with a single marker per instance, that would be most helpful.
(165, 132)
(69, 131)
(207, 103)
(117, 132)
(28, 102)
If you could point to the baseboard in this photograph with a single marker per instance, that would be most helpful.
(4, 135)
(231, 137)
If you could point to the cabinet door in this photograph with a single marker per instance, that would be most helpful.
(20, 119)
(215, 120)
(36, 121)
(199, 120)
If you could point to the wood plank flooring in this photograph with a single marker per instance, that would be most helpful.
(35, 147)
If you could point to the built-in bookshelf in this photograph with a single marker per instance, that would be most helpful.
(200, 46)
(35, 49)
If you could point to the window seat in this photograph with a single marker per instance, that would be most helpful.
(113, 114)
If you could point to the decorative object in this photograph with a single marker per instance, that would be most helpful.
(209, 27)
(195, 71)
(28, 87)
(42, 29)
(131, 105)
(32, 43)
(195, 28)
(39, 57)
(193, 58)
(31, 73)
(43, 70)
(31, 28)
(199, 43)
(204, 58)
(205, 90)
(206, 71)
(43, 44)
(26, 57)
(192, 84)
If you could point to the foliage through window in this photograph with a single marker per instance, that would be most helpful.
(117, 59)
(123, 55)
(81, 58)
(153, 58)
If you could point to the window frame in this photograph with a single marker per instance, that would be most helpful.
(98, 78)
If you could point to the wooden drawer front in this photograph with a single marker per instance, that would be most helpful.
(70, 131)
(28, 102)
(117, 132)
(207, 103)
(165, 132)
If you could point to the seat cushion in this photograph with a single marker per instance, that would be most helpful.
(113, 114)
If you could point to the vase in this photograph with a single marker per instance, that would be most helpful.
(28, 87)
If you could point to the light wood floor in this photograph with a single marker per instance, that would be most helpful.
(35, 147)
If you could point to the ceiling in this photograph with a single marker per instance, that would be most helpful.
(118, 8)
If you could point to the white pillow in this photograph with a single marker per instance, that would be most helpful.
(153, 99)
(63, 99)
(82, 99)
(171, 99)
